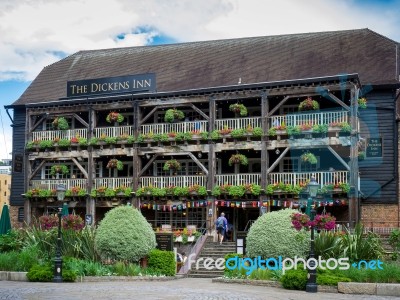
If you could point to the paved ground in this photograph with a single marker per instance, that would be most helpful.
(186, 288)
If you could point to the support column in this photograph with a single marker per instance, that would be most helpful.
(27, 173)
(90, 201)
(212, 164)
(264, 151)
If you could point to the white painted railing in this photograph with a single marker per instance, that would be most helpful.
(113, 183)
(174, 127)
(238, 123)
(238, 179)
(322, 178)
(319, 118)
(51, 184)
(113, 131)
(60, 134)
(181, 181)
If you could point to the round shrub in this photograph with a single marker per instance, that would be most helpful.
(124, 234)
(272, 235)
(162, 262)
(294, 279)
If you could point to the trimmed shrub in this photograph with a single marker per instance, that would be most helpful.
(42, 273)
(294, 279)
(12, 241)
(124, 234)
(162, 261)
(272, 235)
(328, 279)
(68, 276)
(236, 273)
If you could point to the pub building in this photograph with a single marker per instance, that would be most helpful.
(186, 131)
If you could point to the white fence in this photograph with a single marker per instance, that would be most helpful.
(311, 118)
(181, 181)
(51, 184)
(162, 128)
(60, 134)
(238, 179)
(237, 123)
(322, 178)
(113, 183)
(113, 131)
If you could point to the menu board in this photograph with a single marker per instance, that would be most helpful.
(165, 241)
(374, 147)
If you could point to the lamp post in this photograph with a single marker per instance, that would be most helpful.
(58, 259)
(311, 286)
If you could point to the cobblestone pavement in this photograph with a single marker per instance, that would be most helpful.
(185, 289)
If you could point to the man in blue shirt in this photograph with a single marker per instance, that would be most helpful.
(222, 225)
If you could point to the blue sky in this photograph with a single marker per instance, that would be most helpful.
(34, 34)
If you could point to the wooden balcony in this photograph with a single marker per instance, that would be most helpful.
(113, 131)
(238, 123)
(322, 178)
(238, 179)
(181, 181)
(51, 184)
(162, 128)
(59, 134)
(316, 118)
(113, 183)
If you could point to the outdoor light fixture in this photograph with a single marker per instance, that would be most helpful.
(277, 151)
(58, 259)
(311, 286)
(199, 155)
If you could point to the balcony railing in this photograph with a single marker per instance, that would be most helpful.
(162, 128)
(181, 181)
(51, 184)
(113, 131)
(113, 183)
(60, 134)
(238, 179)
(317, 118)
(238, 123)
(322, 178)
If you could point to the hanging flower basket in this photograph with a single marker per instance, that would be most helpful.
(59, 169)
(60, 123)
(308, 104)
(172, 164)
(115, 164)
(362, 103)
(310, 158)
(238, 159)
(239, 109)
(320, 222)
(114, 117)
(173, 114)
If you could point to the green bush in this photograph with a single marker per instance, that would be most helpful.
(294, 279)
(85, 268)
(19, 261)
(236, 273)
(162, 261)
(327, 245)
(124, 234)
(68, 276)
(272, 235)
(42, 273)
(12, 241)
(329, 279)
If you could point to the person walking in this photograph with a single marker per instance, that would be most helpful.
(222, 225)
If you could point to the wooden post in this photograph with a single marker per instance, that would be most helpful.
(28, 171)
(264, 141)
(212, 163)
(91, 202)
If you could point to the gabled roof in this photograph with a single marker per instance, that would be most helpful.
(222, 62)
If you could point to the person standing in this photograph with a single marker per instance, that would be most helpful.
(222, 225)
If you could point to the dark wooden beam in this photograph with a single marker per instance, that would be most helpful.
(278, 106)
(36, 170)
(339, 158)
(82, 169)
(338, 101)
(199, 111)
(76, 116)
(198, 163)
(277, 161)
(149, 163)
(148, 115)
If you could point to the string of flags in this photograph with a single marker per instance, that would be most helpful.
(240, 204)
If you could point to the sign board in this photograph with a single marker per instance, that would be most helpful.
(374, 147)
(112, 85)
(18, 163)
(88, 219)
(165, 241)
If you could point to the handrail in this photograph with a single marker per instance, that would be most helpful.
(248, 225)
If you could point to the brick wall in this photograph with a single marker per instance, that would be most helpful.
(380, 215)
(14, 217)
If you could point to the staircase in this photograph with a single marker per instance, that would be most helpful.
(211, 250)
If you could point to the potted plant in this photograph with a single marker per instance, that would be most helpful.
(308, 104)
(345, 129)
(172, 164)
(361, 155)
(59, 169)
(293, 131)
(60, 123)
(115, 164)
(114, 117)
(362, 103)
(238, 108)
(320, 131)
(238, 159)
(308, 157)
(173, 114)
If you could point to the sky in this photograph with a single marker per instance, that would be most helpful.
(37, 33)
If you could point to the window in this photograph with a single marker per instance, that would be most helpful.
(294, 164)
(21, 214)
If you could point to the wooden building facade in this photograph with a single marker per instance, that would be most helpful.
(186, 131)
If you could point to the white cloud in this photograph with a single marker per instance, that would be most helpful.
(32, 32)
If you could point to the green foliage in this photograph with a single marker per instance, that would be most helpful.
(272, 131)
(309, 157)
(308, 104)
(345, 127)
(238, 133)
(204, 135)
(162, 261)
(59, 169)
(183, 136)
(238, 159)
(362, 103)
(68, 276)
(60, 123)
(41, 273)
(110, 140)
(161, 137)
(332, 280)
(46, 144)
(323, 128)
(215, 135)
(114, 117)
(238, 108)
(327, 244)
(294, 279)
(19, 261)
(272, 235)
(394, 242)
(257, 131)
(359, 246)
(235, 273)
(86, 267)
(124, 234)
(12, 241)
(173, 114)
(64, 143)
(293, 130)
